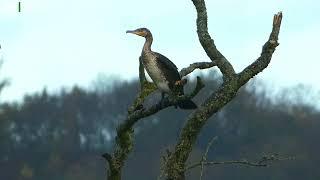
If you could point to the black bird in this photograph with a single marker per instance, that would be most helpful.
(162, 71)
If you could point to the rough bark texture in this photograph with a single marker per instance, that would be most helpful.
(207, 42)
(124, 138)
(175, 166)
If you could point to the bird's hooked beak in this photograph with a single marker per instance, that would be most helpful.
(135, 32)
(130, 31)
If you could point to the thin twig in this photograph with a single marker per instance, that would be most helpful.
(194, 66)
(205, 155)
(263, 162)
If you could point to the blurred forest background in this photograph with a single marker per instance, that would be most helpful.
(61, 136)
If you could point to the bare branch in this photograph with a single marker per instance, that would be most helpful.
(146, 88)
(205, 155)
(207, 42)
(175, 167)
(169, 101)
(176, 163)
(263, 162)
(124, 142)
(124, 139)
(268, 48)
(197, 65)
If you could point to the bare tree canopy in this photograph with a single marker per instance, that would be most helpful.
(175, 164)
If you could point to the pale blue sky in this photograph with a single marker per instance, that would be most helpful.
(56, 43)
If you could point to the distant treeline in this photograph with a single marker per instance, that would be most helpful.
(62, 136)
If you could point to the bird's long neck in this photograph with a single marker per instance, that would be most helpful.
(148, 43)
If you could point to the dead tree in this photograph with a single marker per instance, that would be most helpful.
(175, 165)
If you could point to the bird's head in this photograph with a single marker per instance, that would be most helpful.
(144, 32)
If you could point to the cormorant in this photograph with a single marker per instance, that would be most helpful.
(162, 71)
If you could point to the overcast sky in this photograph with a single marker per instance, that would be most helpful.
(55, 43)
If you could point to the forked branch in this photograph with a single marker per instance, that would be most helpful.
(208, 43)
(124, 138)
(175, 167)
(197, 65)
(267, 50)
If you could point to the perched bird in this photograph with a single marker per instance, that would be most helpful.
(161, 70)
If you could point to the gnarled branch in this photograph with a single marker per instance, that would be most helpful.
(197, 65)
(124, 138)
(267, 50)
(175, 167)
(207, 42)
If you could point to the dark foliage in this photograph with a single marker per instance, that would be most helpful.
(62, 136)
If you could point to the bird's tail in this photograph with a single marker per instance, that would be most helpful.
(187, 104)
